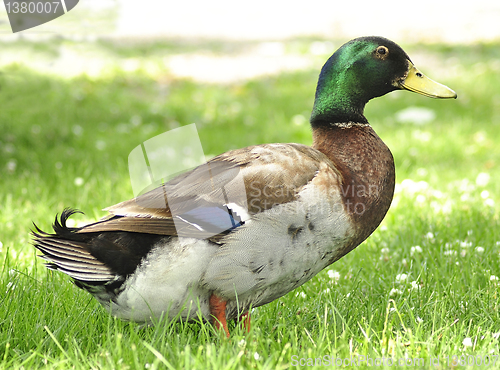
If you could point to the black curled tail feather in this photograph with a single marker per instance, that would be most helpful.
(59, 226)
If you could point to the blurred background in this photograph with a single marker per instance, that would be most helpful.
(272, 21)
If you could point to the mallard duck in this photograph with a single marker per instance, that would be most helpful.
(303, 209)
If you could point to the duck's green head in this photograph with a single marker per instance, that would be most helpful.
(363, 69)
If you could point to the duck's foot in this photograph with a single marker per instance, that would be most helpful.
(218, 311)
(245, 319)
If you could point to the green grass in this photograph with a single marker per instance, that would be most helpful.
(417, 288)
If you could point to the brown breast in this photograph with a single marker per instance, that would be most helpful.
(367, 168)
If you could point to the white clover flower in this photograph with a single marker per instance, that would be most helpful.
(467, 342)
(482, 179)
(429, 235)
(401, 278)
(479, 249)
(415, 249)
(79, 181)
(415, 285)
(494, 278)
(334, 275)
(256, 356)
(420, 198)
(301, 294)
(419, 320)
(489, 202)
(394, 292)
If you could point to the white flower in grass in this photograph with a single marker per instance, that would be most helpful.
(494, 278)
(420, 198)
(302, 294)
(385, 250)
(467, 342)
(419, 320)
(415, 249)
(465, 244)
(242, 343)
(414, 285)
(429, 235)
(256, 356)
(334, 275)
(479, 249)
(450, 253)
(496, 335)
(482, 179)
(394, 292)
(400, 278)
(485, 194)
(79, 181)
(489, 202)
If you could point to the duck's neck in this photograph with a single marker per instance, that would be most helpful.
(340, 96)
(367, 168)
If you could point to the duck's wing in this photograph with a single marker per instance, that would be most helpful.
(219, 196)
(105, 252)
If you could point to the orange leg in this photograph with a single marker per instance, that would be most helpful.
(218, 311)
(246, 321)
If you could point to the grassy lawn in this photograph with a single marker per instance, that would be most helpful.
(424, 286)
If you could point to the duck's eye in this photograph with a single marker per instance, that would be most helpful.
(382, 51)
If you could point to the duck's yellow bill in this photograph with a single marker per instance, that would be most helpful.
(417, 82)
